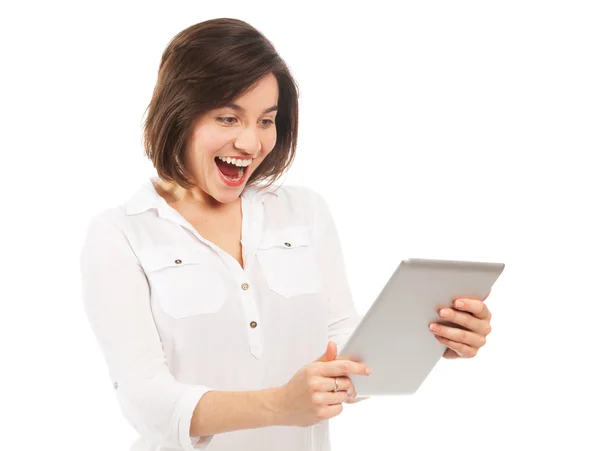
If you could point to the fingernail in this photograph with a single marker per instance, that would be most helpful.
(459, 304)
(444, 313)
(369, 371)
(434, 327)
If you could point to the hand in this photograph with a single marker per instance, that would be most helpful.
(473, 320)
(331, 354)
(308, 397)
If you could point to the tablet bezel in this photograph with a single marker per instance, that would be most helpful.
(414, 293)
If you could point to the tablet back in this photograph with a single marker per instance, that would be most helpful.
(393, 337)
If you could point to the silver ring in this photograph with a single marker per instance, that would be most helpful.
(336, 385)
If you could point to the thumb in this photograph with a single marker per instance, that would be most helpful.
(330, 353)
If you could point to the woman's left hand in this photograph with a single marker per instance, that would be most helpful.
(473, 318)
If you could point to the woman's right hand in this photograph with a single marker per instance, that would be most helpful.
(308, 398)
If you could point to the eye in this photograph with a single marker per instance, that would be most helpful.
(228, 120)
(225, 120)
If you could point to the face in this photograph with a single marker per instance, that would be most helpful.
(228, 144)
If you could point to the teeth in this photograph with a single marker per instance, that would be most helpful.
(236, 161)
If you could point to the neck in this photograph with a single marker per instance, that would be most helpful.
(176, 195)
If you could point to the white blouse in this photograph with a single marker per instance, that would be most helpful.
(176, 316)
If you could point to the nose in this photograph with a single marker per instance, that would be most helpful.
(248, 141)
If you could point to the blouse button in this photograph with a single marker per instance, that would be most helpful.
(178, 261)
(253, 324)
(245, 286)
(116, 385)
(287, 244)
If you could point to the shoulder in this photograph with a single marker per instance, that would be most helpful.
(107, 227)
(111, 217)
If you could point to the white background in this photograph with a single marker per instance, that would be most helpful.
(460, 130)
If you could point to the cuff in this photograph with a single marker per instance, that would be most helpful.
(185, 410)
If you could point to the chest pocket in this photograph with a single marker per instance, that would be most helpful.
(184, 282)
(288, 262)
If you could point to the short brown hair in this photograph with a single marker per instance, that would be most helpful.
(205, 67)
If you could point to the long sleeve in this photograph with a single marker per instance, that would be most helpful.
(343, 316)
(117, 303)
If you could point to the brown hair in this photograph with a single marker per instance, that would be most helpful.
(205, 67)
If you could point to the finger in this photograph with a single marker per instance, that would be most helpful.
(330, 353)
(350, 389)
(326, 384)
(345, 384)
(329, 398)
(329, 412)
(450, 354)
(467, 320)
(474, 306)
(463, 350)
(343, 368)
(458, 335)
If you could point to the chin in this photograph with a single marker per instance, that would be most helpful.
(226, 196)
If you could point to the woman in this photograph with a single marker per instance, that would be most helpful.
(218, 300)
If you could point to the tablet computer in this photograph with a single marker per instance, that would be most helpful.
(393, 337)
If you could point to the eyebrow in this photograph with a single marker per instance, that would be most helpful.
(237, 107)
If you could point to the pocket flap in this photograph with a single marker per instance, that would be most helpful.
(160, 257)
(286, 238)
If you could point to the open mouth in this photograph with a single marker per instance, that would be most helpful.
(233, 169)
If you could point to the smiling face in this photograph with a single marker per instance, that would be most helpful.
(228, 144)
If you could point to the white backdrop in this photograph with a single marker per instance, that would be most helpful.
(460, 130)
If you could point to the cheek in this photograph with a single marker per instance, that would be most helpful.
(268, 144)
(214, 142)
(207, 145)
